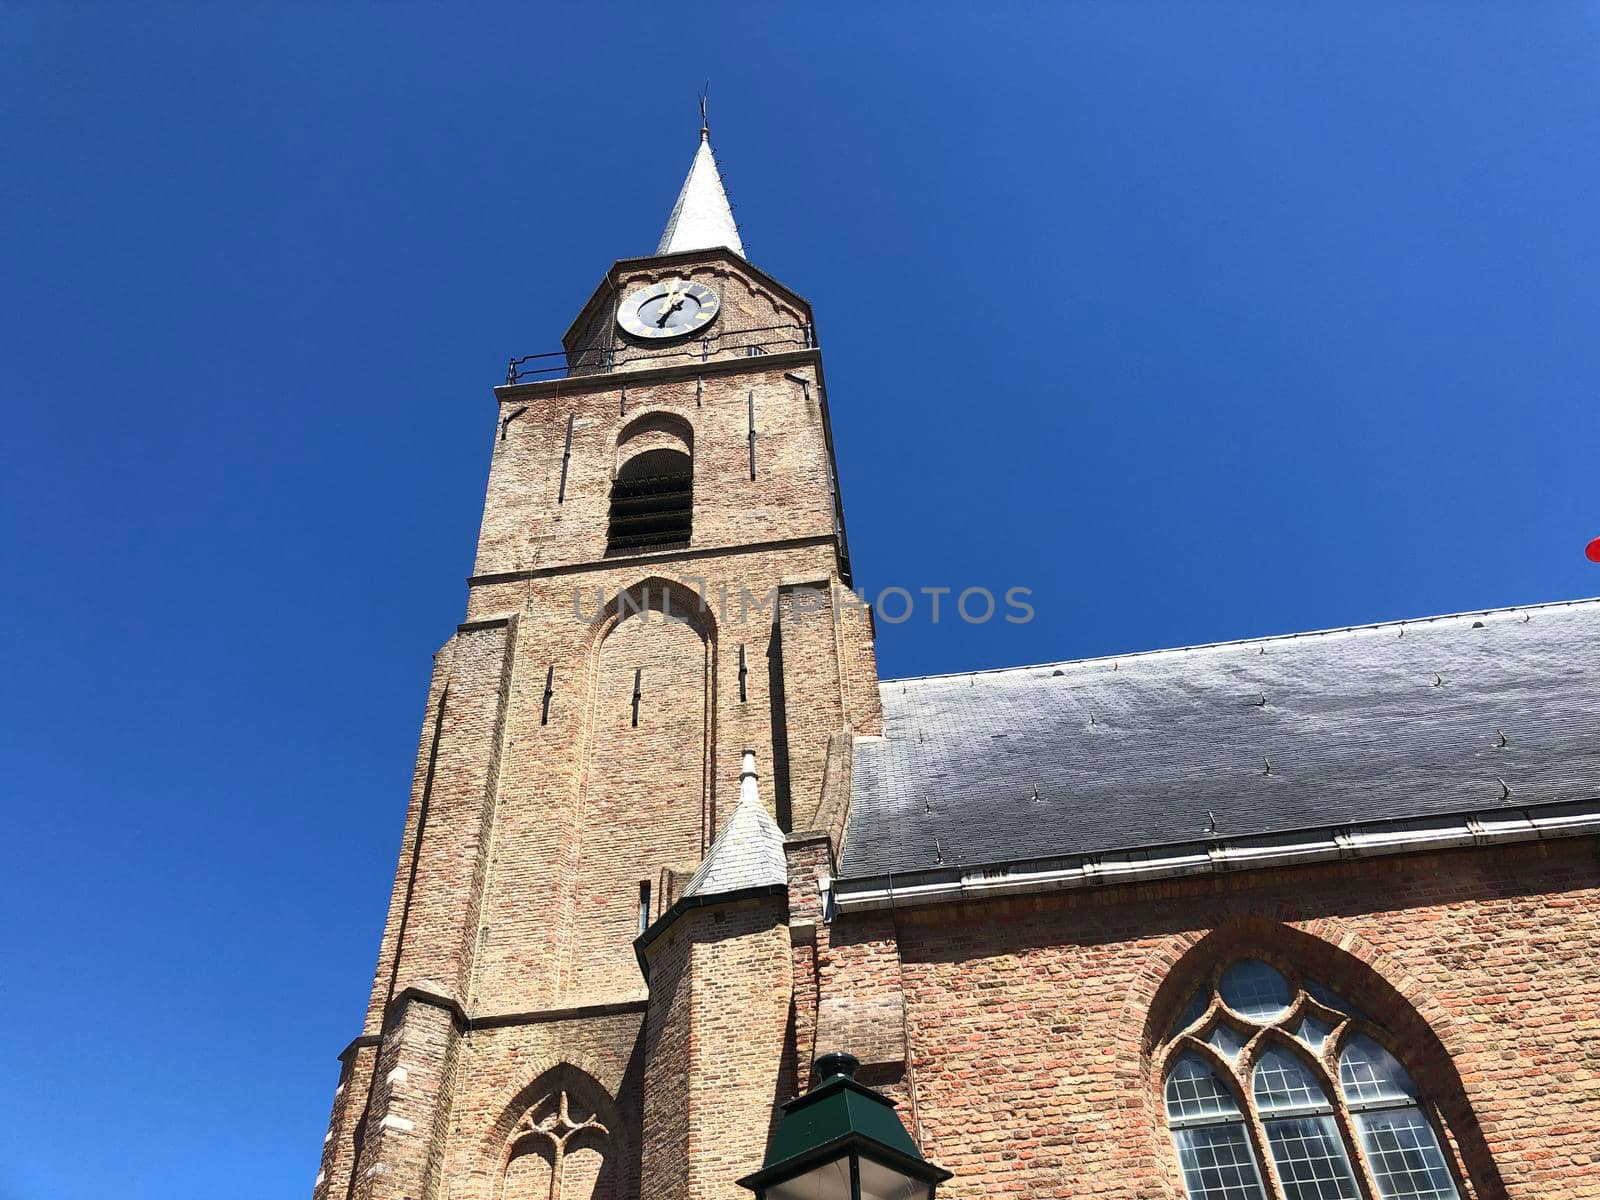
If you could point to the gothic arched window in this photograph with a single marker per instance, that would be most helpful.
(560, 1149)
(1276, 1088)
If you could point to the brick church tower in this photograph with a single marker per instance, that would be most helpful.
(1305, 916)
(637, 706)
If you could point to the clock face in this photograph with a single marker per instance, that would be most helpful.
(673, 308)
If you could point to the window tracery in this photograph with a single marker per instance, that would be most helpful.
(559, 1150)
(1277, 1088)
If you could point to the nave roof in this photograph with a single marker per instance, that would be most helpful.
(1488, 710)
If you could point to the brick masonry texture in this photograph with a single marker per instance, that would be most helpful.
(1032, 1024)
(503, 1071)
(716, 1049)
(582, 734)
(530, 522)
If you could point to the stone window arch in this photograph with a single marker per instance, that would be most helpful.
(1275, 1087)
(652, 486)
(563, 1145)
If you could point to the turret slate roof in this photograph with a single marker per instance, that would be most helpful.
(1408, 719)
(748, 853)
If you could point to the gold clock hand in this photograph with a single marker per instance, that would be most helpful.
(669, 302)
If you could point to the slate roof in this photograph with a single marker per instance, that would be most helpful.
(1382, 721)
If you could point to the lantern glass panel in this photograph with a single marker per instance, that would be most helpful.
(879, 1182)
(830, 1181)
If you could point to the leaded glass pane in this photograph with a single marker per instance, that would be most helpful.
(1310, 1158)
(1227, 1040)
(1328, 997)
(1404, 1155)
(1192, 1011)
(879, 1182)
(1218, 1163)
(1282, 1081)
(1253, 989)
(1193, 1090)
(1369, 1073)
(1314, 1032)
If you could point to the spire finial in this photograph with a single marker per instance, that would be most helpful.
(747, 779)
(705, 126)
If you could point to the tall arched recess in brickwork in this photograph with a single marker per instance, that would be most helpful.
(1279, 1067)
(646, 805)
(560, 1139)
(652, 486)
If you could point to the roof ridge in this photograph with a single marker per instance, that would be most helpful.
(1252, 641)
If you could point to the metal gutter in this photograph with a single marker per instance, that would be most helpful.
(1373, 839)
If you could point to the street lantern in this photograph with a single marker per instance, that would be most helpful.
(842, 1141)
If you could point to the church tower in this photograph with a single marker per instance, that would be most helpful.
(588, 960)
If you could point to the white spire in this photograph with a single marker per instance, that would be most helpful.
(701, 219)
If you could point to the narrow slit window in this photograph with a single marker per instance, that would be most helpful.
(644, 905)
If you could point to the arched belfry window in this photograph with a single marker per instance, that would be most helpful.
(1277, 1088)
(652, 492)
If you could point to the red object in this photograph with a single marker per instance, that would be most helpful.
(1593, 550)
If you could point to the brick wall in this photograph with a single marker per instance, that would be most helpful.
(437, 902)
(504, 1071)
(529, 522)
(718, 1047)
(669, 1029)
(1032, 1023)
(741, 1010)
(340, 1144)
(403, 1129)
(541, 843)
(808, 630)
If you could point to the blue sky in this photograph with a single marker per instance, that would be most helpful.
(1201, 321)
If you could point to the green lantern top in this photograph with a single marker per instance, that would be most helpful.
(840, 1118)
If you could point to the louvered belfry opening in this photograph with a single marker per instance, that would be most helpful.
(652, 503)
